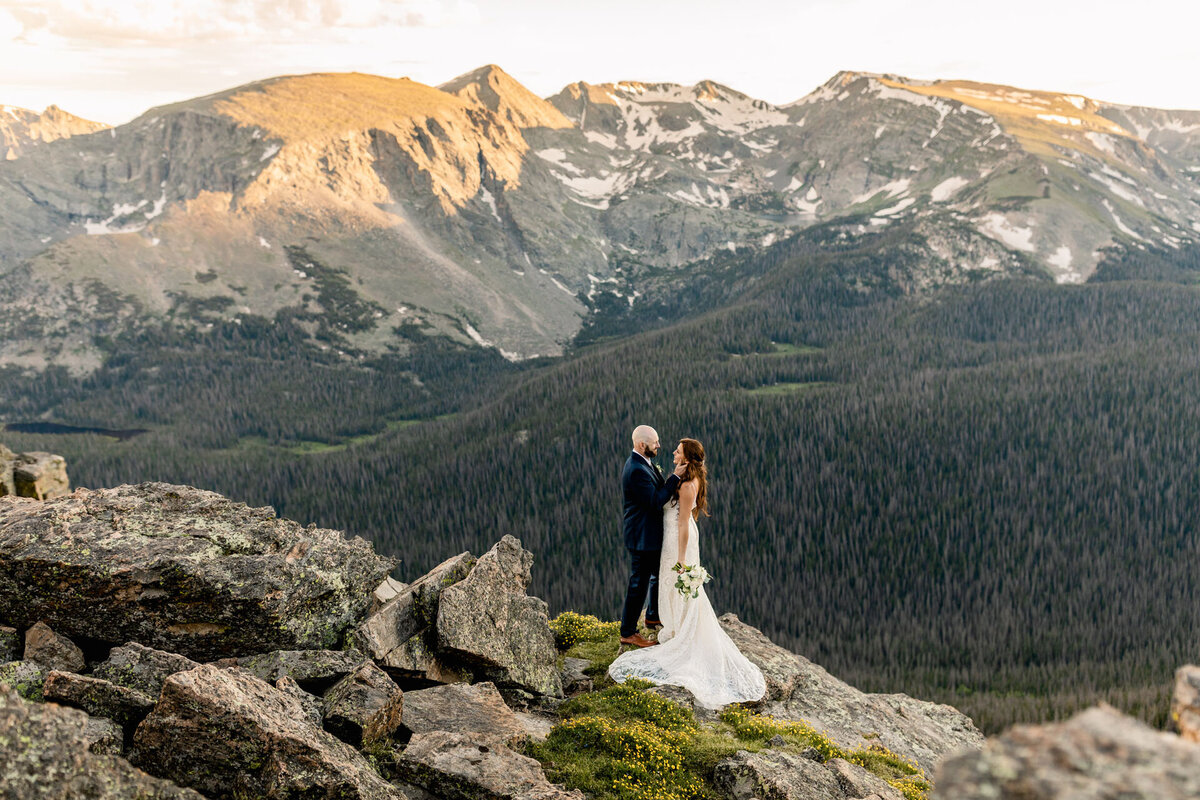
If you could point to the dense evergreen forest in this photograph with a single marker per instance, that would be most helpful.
(984, 496)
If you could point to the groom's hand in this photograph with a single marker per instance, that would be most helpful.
(680, 471)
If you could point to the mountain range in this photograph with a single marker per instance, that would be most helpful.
(373, 210)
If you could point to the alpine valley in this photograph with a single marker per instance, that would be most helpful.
(940, 339)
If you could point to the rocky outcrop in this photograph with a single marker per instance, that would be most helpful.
(1098, 754)
(46, 751)
(38, 476)
(51, 650)
(142, 668)
(856, 782)
(775, 775)
(459, 767)
(488, 621)
(124, 706)
(1185, 705)
(798, 689)
(401, 633)
(41, 476)
(461, 708)
(364, 707)
(180, 569)
(311, 705)
(231, 735)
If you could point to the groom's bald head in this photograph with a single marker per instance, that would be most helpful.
(645, 440)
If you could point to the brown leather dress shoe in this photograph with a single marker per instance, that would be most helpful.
(637, 640)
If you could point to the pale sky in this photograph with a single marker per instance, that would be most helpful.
(110, 60)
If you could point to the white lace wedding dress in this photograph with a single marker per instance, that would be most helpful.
(693, 651)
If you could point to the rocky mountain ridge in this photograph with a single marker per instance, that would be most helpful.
(477, 210)
(22, 129)
(435, 689)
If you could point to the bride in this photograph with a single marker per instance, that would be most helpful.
(693, 651)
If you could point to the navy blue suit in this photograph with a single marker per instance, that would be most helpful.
(646, 492)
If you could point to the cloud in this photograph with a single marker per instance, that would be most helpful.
(100, 23)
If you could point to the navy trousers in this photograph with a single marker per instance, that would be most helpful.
(643, 580)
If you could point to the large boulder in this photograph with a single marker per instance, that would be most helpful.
(46, 751)
(398, 634)
(454, 766)
(231, 735)
(775, 775)
(180, 569)
(41, 476)
(52, 650)
(364, 707)
(1185, 706)
(124, 706)
(798, 689)
(1097, 755)
(461, 708)
(136, 666)
(488, 622)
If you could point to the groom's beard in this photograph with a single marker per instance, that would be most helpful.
(651, 453)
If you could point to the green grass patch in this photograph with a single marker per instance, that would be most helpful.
(625, 743)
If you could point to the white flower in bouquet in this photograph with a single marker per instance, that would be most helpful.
(691, 579)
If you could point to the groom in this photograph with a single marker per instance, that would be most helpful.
(646, 492)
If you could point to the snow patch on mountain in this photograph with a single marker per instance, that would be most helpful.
(997, 226)
(947, 188)
(891, 188)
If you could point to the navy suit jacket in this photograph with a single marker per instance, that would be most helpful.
(645, 495)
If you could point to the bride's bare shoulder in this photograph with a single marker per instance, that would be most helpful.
(688, 488)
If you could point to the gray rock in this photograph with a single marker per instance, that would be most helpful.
(461, 708)
(26, 678)
(1099, 754)
(10, 644)
(774, 775)
(856, 782)
(127, 707)
(387, 634)
(537, 726)
(52, 650)
(454, 766)
(143, 668)
(1185, 705)
(231, 735)
(45, 752)
(364, 707)
(40, 476)
(103, 736)
(311, 703)
(389, 588)
(180, 569)
(314, 670)
(574, 679)
(777, 741)
(488, 622)
(417, 659)
(798, 689)
(7, 487)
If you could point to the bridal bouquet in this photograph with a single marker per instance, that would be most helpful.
(691, 579)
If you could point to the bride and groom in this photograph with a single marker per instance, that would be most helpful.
(692, 650)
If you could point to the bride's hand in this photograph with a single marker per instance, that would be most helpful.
(678, 567)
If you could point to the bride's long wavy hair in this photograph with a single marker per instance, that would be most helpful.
(693, 451)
